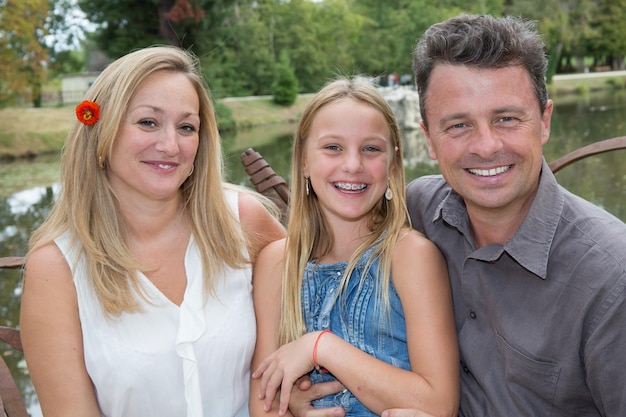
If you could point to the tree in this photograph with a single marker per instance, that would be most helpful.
(23, 57)
(125, 25)
(564, 24)
(609, 43)
(285, 85)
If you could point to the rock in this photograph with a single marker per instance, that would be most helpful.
(404, 103)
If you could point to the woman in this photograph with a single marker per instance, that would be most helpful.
(137, 290)
(366, 299)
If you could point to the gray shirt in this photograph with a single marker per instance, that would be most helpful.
(541, 321)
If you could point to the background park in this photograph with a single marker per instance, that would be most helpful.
(262, 59)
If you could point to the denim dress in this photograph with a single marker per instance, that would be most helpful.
(357, 316)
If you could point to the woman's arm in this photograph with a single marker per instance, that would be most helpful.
(52, 337)
(420, 277)
(267, 288)
(258, 224)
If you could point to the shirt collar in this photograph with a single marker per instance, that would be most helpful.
(530, 245)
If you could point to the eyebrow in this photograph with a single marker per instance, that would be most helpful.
(160, 110)
(462, 115)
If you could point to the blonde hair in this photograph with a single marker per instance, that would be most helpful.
(87, 206)
(308, 233)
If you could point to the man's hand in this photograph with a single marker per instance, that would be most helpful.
(304, 392)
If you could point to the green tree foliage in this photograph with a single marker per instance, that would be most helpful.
(67, 36)
(285, 87)
(608, 45)
(240, 42)
(123, 25)
(23, 56)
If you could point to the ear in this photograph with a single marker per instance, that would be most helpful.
(393, 160)
(431, 149)
(545, 122)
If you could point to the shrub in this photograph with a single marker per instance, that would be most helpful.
(285, 87)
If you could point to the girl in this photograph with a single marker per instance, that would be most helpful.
(365, 299)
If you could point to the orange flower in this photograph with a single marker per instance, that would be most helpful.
(88, 112)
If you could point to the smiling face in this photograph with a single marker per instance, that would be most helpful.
(486, 130)
(348, 155)
(156, 144)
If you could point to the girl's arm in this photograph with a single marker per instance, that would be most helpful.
(52, 337)
(267, 289)
(420, 277)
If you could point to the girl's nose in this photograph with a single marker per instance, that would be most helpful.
(353, 162)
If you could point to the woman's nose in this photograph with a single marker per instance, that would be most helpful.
(167, 141)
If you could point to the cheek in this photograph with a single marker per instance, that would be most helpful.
(190, 147)
(381, 168)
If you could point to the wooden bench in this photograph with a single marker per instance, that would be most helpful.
(268, 183)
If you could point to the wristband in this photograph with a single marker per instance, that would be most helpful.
(319, 336)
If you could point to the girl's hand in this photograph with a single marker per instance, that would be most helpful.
(281, 370)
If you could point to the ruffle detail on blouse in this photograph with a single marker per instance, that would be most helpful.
(192, 327)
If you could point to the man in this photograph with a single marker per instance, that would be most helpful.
(538, 274)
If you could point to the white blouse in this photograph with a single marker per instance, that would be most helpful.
(171, 361)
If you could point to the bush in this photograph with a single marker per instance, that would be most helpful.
(285, 87)
(224, 115)
(616, 83)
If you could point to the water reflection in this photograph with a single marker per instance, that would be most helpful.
(576, 122)
(19, 214)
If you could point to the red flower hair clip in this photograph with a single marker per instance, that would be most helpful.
(88, 112)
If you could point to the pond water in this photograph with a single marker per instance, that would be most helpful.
(577, 121)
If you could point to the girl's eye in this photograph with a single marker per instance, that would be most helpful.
(332, 147)
(371, 149)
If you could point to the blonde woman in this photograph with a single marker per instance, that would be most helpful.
(137, 292)
(365, 299)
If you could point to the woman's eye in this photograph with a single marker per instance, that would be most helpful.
(332, 147)
(147, 123)
(189, 128)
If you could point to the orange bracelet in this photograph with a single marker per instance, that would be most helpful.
(317, 365)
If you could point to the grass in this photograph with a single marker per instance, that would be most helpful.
(30, 131)
(585, 85)
(263, 111)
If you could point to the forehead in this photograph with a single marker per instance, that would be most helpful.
(350, 118)
(472, 87)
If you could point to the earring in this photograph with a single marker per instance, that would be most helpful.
(306, 185)
(388, 194)
(193, 166)
(101, 162)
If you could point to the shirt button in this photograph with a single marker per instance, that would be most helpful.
(466, 370)
(472, 315)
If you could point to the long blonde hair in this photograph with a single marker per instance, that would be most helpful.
(308, 233)
(87, 207)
